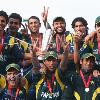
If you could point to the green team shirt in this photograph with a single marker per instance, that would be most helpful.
(40, 89)
(6, 95)
(79, 90)
(95, 50)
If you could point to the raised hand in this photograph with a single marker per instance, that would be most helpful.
(76, 38)
(44, 14)
(26, 27)
(43, 69)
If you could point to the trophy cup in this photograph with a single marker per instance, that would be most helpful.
(45, 41)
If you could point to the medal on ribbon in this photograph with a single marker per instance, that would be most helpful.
(86, 83)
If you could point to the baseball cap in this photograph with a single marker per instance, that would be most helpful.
(97, 20)
(13, 65)
(51, 54)
(87, 55)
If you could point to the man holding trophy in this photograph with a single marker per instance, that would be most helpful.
(58, 37)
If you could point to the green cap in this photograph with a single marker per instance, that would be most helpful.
(15, 66)
(50, 54)
(97, 20)
(87, 55)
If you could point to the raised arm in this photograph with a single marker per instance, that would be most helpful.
(89, 37)
(44, 15)
(76, 39)
(64, 59)
(76, 51)
(35, 61)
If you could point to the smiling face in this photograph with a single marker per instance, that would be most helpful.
(12, 77)
(14, 25)
(96, 73)
(34, 25)
(97, 28)
(87, 63)
(50, 64)
(59, 26)
(3, 23)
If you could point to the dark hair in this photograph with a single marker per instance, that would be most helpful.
(4, 14)
(96, 67)
(34, 17)
(97, 24)
(57, 19)
(16, 16)
(79, 19)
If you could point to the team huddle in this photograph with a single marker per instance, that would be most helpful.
(67, 69)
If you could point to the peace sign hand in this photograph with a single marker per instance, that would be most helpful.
(44, 14)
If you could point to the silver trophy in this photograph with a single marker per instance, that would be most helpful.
(45, 42)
